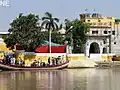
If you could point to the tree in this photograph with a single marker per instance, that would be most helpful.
(25, 31)
(78, 31)
(50, 23)
(117, 21)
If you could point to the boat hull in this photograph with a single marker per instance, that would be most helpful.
(13, 67)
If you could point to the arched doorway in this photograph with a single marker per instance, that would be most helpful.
(104, 50)
(94, 48)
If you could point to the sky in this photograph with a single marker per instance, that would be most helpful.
(62, 9)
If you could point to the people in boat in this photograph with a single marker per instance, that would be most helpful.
(49, 61)
(53, 61)
(4, 59)
(39, 62)
(12, 60)
(22, 62)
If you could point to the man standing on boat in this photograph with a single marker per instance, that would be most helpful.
(49, 60)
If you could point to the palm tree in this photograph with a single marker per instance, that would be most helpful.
(50, 23)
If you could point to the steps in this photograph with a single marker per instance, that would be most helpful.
(82, 64)
(108, 64)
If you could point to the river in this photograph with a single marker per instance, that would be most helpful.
(69, 79)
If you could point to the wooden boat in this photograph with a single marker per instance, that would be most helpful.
(116, 58)
(14, 67)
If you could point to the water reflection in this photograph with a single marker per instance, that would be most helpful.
(71, 79)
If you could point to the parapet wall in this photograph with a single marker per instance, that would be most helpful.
(44, 56)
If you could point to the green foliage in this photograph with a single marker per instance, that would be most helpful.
(117, 21)
(50, 23)
(78, 31)
(55, 37)
(25, 30)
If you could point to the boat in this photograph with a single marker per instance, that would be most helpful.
(116, 58)
(51, 67)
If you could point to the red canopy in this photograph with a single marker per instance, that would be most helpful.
(54, 49)
(42, 49)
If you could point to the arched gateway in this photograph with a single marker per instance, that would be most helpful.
(94, 48)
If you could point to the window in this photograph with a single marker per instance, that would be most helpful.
(104, 50)
(104, 41)
(110, 23)
(109, 31)
(105, 23)
(113, 32)
(100, 23)
(88, 20)
(94, 23)
(94, 32)
(114, 42)
(105, 32)
(99, 20)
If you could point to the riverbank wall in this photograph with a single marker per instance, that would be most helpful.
(76, 60)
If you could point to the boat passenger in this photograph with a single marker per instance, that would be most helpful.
(49, 60)
(12, 60)
(4, 59)
(53, 61)
(39, 62)
(19, 60)
(56, 61)
(34, 63)
(22, 63)
(44, 64)
(8, 60)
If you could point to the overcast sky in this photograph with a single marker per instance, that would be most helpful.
(59, 8)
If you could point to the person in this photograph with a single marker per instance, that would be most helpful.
(9, 57)
(4, 60)
(49, 60)
(19, 61)
(39, 62)
(59, 59)
(56, 61)
(53, 61)
(13, 58)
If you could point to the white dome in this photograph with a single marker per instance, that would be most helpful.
(62, 31)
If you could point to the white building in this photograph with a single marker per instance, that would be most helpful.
(103, 37)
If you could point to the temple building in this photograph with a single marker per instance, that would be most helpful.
(103, 37)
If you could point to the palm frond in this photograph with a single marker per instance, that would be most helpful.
(45, 18)
(48, 14)
(20, 15)
(44, 23)
(47, 26)
(60, 26)
(55, 26)
(66, 20)
(56, 19)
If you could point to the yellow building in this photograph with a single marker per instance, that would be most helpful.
(103, 37)
(2, 44)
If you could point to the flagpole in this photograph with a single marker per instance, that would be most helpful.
(50, 43)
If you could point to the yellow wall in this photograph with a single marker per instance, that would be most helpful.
(105, 21)
(1, 55)
(29, 58)
(4, 48)
(76, 57)
(107, 58)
